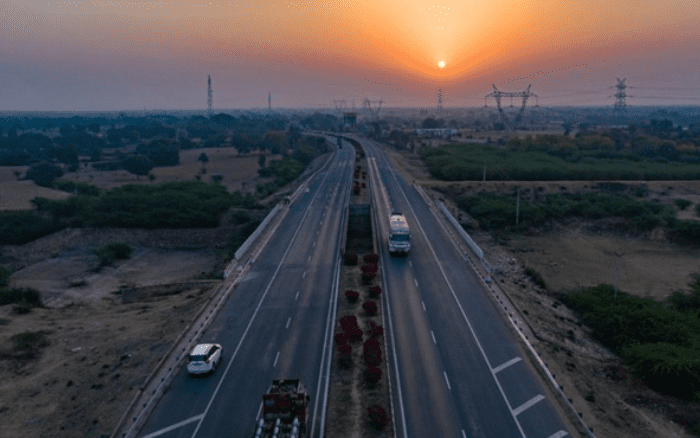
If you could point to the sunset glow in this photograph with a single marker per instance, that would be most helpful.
(152, 54)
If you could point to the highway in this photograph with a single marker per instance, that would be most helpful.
(278, 322)
(458, 368)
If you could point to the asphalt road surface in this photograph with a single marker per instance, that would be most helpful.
(458, 369)
(277, 324)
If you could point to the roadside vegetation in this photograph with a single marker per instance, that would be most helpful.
(654, 151)
(497, 213)
(659, 341)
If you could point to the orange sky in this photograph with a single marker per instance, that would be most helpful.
(156, 54)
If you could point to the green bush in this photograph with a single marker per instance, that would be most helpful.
(20, 228)
(19, 295)
(536, 277)
(5, 273)
(109, 252)
(240, 217)
(667, 368)
(660, 342)
(685, 232)
(682, 204)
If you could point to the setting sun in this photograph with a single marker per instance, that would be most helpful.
(441, 64)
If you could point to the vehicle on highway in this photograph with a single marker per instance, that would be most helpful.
(283, 410)
(204, 358)
(399, 234)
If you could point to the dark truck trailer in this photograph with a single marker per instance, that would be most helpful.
(284, 410)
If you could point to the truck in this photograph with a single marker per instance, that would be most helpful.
(399, 234)
(284, 410)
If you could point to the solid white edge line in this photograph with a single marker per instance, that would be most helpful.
(257, 308)
(173, 427)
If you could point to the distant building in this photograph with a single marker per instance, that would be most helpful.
(437, 132)
(349, 121)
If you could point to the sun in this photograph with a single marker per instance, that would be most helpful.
(441, 64)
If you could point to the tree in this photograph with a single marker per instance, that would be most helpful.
(67, 154)
(43, 174)
(204, 159)
(261, 160)
(161, 152)
(138, 165)
(217, 178)
(94, 127)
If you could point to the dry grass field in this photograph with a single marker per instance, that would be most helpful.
(240, 172)
(237, 170)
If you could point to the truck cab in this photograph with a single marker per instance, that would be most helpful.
(399, 234)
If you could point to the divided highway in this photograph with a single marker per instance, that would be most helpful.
(458, 369)
(278, 322)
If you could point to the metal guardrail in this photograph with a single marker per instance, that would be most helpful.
(467, 238)
(251, 239)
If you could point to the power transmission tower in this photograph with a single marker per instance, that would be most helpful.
(620, 102)
(339, 106)
(210, 95)
(368, 105)
(498, 95)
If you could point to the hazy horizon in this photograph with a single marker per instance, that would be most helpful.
(128, 55)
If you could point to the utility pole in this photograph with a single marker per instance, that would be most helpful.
(618, 255)
(210, 95)
(517, 208)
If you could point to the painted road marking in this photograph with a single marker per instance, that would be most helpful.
(303, 275)
(507, 364)
(288, 321)
(173, 427)
(314, 245)
(309, 259)
(424, 309)
(447, 381)
(276, 358)
(559, 434)
(297, 296)
(410, 264)
(464, 434)
(528, 404)
(433, 335)
(415, 281)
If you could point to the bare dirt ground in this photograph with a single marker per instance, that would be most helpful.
(609, 398)
(98, 346)
(102, 332)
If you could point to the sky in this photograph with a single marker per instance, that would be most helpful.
(110, 55)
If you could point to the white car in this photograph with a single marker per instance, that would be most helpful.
(204, 358)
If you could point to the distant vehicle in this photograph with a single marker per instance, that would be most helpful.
(284, 410)
(204, 358)
(399, 234)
